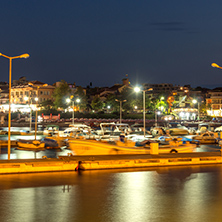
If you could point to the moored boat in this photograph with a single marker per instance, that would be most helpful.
(206, 138)
(51, 129)
(92, 147)
(31, 144)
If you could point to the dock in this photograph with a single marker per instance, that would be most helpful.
(101, 162)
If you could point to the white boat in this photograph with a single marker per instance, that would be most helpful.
(92, 147)
(206, 138)
(26, 132)
(112, 131)
(51, 129)
(30, 144)
(109, 128)
(73, 129)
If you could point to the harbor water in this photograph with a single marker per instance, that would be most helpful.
(162, 194)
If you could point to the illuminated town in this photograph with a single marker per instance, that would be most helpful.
(110, 111)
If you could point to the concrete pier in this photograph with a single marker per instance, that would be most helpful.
(72, 163)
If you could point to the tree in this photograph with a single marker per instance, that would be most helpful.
(96, 103)
(47, 105)
(60, 94)
(80, 94)
(111, 101)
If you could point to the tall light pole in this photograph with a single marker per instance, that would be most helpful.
(10, 58)
(120, 108)
(137, 89)
(73, 106)
(36, 114)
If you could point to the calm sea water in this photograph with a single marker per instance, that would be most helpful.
(159, 195)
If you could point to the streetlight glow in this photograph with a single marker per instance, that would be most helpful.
(137, 89)
(68, 100)
(215, 65)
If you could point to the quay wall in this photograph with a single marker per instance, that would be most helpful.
(72, 163)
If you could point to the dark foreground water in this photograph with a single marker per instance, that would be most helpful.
(170, 194)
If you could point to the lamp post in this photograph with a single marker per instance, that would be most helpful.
(120, 108)
(198, 107)
(10, 58)
(68, 100)
(36, 114)
(137, 89)
(216, 66)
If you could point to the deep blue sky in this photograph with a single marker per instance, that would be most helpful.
(100, 41)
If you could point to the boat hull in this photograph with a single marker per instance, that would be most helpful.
(30, 145)
(89, 147)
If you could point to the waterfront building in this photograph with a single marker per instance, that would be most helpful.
(32, 90)
(214, 102)
(23, 96)
(3, 93)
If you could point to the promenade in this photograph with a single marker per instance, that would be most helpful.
(99, 162)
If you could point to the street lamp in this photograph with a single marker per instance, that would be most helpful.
(36, 114)
(137, 89)
(108, 108)
(10, 58)
(68, 100)
(120, 108)
(198, 107)
(216, 66)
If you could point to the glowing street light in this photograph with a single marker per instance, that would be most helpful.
(137, 89)
(216, 66)
(10, 58)
(68, 100)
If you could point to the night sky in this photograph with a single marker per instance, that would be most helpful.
(101, 41)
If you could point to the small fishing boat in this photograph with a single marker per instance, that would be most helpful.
(26, 132)
(206, 138)
(180, 138)
(92, 147)
(51, 129)
(50, 143)
(30, 144)
(3, 132)
(4, 143)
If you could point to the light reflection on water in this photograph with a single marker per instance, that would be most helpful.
(161, 194)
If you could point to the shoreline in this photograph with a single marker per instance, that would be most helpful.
(104, 162)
